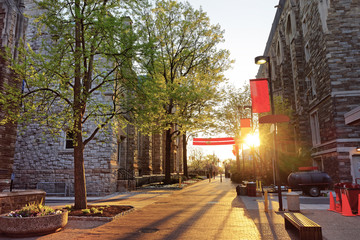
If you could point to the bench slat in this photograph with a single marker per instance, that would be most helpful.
(308, 229)
(301, 220)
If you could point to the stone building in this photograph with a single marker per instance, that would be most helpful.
(12, 28)
(114, 160)
(314, 49)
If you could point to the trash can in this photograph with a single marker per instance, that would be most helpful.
(293, 202)
(251, 189)
(243, 190)
(353, 195)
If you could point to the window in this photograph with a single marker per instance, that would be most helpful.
(323, 8)
(279, 53)
(310, 82)
(119, 153)
(315, 129)
(304, 25)
(302, 4)
(288, 29)
(69, 141)
(307, 52)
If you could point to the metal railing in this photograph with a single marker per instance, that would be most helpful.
(124, 174)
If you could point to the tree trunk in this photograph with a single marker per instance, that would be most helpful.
(78, 111)
(167, 156)
(79, 175)
(186, 174)
(238, 161)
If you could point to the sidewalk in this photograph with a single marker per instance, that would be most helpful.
(205, 210)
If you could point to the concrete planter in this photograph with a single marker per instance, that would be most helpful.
(32, 226)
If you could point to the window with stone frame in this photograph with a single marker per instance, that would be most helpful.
(315, 128)
(304, 25)
(311, 86)
(279, 53)
(288, 29)
(119, 152)
(319, 163)
(302, 3)
(69, 140)
(307, 52)
(323, 8)
(140, 144)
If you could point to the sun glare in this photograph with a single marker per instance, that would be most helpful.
(252, 140)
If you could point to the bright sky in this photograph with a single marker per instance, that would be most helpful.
(247, 24)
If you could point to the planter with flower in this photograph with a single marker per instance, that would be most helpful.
(33, 219)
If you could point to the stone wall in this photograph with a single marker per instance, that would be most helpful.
(12, 28)
(10, 201)
(315, 52)
(43, 158)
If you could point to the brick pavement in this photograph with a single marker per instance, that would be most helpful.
(201, 211)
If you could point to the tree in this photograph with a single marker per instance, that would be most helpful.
(233, 109)
(180, 57)
(85, 47)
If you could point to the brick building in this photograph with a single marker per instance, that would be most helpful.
(12, 27)
(314, 47)
(114, 160)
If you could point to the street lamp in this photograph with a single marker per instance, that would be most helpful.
(252, 147)
(262, 60)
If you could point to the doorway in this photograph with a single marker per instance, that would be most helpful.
(356, 165)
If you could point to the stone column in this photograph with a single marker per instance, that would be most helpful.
(157, 156)
(145, 154)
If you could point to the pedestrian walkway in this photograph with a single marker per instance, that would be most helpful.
(205, 210)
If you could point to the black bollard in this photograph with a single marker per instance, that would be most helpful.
(11, 181)
(238, 190)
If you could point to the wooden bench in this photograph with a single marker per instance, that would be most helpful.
(308, 229)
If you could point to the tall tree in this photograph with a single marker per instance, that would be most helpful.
(181, 58)
(75, 79)
(234, 108)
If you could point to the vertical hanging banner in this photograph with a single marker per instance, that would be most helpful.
(245, 122)
(260, 95)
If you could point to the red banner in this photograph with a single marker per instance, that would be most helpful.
(213, 141)
(245, 122)
(260, 95)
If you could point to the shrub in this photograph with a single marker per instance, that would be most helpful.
(86, 211)
(34, 210)
(96, 211)
(236, 177)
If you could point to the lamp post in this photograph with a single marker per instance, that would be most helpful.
(262, 60)
(252, 131)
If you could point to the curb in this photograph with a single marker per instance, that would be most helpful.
(101, 219)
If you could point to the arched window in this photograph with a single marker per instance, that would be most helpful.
(290, 28)
(279, 52)
(323, 11)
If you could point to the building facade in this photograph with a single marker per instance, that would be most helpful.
(114, 160)
(12, 29)
(314, 50)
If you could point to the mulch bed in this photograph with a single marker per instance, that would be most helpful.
(108, 211)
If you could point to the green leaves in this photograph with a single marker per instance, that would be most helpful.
(178, 55)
